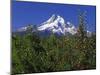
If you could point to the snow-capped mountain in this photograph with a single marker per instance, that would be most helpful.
(57, 25)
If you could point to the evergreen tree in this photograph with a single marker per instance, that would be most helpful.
(82, 25)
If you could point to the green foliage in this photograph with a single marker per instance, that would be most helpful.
(33, 54)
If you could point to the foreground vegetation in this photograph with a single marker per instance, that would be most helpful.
(32, 54)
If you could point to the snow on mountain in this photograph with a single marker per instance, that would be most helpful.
(56, 24)
(51, 23)
(25, 28)
(71, 28)
(22, 29)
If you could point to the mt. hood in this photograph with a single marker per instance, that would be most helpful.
(57, 25)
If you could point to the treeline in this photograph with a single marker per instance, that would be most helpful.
(32, 54)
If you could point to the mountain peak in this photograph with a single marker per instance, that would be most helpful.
(51, 19)
(55, 24)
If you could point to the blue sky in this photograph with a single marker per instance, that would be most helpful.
(24, 13)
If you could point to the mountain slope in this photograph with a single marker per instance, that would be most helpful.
(57, 25)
